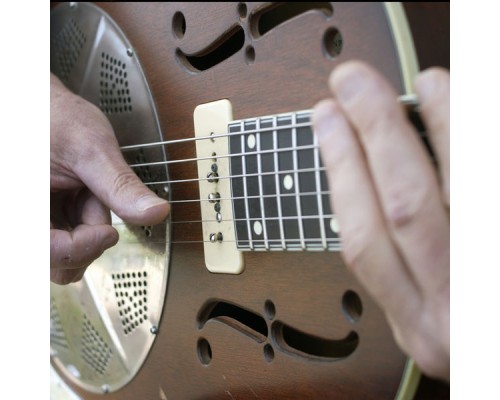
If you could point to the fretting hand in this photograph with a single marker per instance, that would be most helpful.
(391, 204)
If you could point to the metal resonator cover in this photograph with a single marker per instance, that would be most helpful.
(103, 327)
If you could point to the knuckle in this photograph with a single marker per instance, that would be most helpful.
(405, 205)
(122, 181)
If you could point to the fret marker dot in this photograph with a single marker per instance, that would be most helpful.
(334, 225)
(257, 228)
(251, 141)
(288, 182)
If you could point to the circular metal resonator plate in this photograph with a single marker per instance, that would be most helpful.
(102, 327)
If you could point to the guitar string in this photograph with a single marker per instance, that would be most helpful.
(250, 153)
(406, 100)
(307, 241)
(322, 192)
(210, 178)
(212, 137)
(287, 217)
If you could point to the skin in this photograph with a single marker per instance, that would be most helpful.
(391, 203)
(88, 178)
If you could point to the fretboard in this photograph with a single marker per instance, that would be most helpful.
(279, 189)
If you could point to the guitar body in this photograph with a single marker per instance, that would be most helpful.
(257, 334)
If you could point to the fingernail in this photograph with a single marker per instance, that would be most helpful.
(431, 83)
(149, 201)
(425, 84)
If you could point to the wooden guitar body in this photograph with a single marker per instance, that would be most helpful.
(293, 324)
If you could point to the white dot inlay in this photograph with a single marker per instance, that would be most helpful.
(288, 182)
(251, 141)
(257, 228)
(334, 225)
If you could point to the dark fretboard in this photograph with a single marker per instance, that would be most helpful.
(279, 189)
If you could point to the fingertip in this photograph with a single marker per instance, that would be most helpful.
(325, 118)
(349, 78)
(149, 201)
(432, 82)
(152, 209)
(110, 236)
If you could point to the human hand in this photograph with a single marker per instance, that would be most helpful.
(88, 177)
(391, 204)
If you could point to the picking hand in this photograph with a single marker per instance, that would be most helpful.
(88, 177)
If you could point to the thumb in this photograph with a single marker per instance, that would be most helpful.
(110, 178)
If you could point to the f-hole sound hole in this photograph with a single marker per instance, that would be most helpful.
(268, 353)
(332, 43)
(352, 306)
(179, 25)
(269, 309)
(221, 49)
(242, 10)
(277, 14)
(248, 318)
(204, 351)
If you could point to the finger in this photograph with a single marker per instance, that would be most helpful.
(109, 177)
(91, 210)
(433, 90)
(81, 246)
(404, 179)
(367, 247)
(65, 276)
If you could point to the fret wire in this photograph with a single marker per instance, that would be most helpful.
(318, 196)
(278, 191)
(297, 187)
(261, 191)
(244, 170)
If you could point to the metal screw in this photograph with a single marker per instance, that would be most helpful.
(212, 177)
(154, 330)
(219, 217)
(130, 52)
(215, 237)
(214, 197)
(105, 388)
(214, 167)
(217, 207)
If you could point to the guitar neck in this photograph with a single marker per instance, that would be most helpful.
(278, 185)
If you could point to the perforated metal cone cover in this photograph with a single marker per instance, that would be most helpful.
(101, 328)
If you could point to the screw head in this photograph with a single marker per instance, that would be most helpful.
(130, 52)
(105, 388)
(154, 330)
